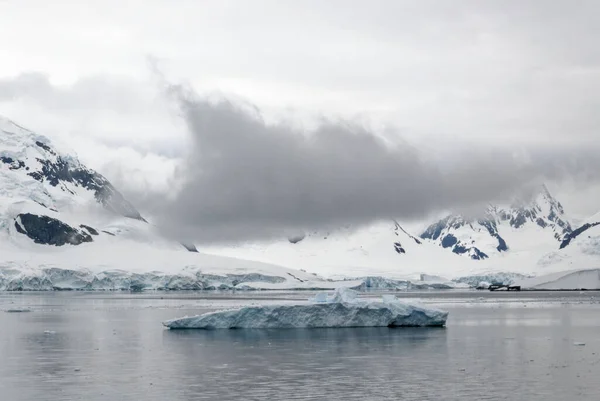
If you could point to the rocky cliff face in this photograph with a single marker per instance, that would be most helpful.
(40, 185)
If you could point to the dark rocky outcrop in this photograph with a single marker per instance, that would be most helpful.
(492, 229)
(60, 171)
(449, 240)
(89, 229)
(12, 163)
(575, 233)
(398, 247)
(398, 227)
(189, 247)
(49, 231)
(296, 238)
(476, 254)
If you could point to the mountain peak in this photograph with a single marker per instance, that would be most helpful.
(482, 237)
(40, 183)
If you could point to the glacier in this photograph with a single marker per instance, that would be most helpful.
(344, 309)
(584, 279)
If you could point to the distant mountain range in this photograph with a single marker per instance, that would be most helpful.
(499, 229)
(57, 216)
(535, 236)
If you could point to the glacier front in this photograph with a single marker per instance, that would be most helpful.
(344, 309)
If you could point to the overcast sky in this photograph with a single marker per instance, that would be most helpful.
(503, 93)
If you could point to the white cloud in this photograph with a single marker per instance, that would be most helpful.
(515, 74)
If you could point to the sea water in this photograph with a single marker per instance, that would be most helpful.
(112, 346)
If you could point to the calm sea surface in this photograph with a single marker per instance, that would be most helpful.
(111, 346)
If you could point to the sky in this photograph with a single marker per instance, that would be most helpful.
(236, 119)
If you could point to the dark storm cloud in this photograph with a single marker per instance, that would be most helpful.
(246, 179)
(243, 178)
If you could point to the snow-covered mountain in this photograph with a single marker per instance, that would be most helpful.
(532, 237)
(540, 222)
(43, 191)
(63, 225)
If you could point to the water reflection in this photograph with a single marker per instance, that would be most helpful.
(304, 362)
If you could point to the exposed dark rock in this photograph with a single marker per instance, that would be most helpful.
(45, 147)
(575, 233)
(296, 238)
(108, 232)
(449, 240)
(44, 205)
(291, 275)
(61, 171)
(189, 247)
(477, 254)
(501, 244)
(459, 249)
(49, 231)
(434, 231)
(89, 229)
(13, 164)
(520, 218)
(398, 247)
(492, 229)
(399, 227)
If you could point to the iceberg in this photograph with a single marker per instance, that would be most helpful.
(344, 309)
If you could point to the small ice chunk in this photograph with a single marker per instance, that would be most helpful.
(18, 310)
(579, 344)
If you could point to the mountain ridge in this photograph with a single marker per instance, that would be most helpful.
(53, 208)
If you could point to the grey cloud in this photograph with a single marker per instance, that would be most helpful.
(496, 96)
(95, 92)
(246, 179)
(116, 111)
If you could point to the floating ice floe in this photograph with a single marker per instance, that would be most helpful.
(343, 309)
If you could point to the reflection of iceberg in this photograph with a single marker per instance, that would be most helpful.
(344, 309)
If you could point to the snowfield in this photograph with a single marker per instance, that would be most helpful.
(344, 309)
